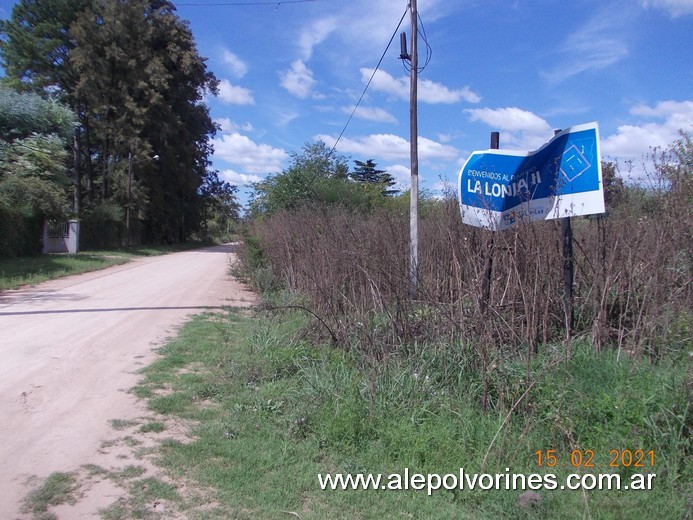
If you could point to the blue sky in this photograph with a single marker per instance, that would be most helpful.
(291, 73)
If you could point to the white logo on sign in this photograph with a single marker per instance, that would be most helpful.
(573, 163)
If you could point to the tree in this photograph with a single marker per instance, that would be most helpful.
(221, 207)
(35, 45)
(368, 173)
(132, 73)
(34, 178)
(33, 172)
(315, 175)
(614, 189)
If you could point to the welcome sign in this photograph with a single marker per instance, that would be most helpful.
(500, 188)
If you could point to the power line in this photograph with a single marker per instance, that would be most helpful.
(370, 80)
(235, 4)
(429, 50)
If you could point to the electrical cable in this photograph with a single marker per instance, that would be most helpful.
(429, 50)
(212, 4)
(370, 80)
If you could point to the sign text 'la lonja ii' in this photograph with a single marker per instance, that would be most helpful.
(500, 188)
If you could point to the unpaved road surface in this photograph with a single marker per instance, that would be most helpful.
(71, 349)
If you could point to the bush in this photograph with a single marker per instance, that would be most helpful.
(102, 226)
(632, 277)
(19, 235)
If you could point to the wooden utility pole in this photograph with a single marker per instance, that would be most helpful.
(414, 157)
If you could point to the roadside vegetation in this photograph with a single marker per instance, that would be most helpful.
(58, 488)
(106, 126)
(338, 371)
(274, 409)
(31, 270)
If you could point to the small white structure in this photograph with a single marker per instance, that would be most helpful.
(61, 237)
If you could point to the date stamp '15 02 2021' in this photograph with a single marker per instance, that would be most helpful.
(588, 459)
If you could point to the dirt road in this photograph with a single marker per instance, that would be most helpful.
(70, 349)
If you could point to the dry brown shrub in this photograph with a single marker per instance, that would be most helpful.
(632, 276)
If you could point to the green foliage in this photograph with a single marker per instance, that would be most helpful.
(36, 45)
(19, 236)
(368, 172)
(58, 488)
(34, 178)
(221, 208)
(315, 176)
(102, 225)
(32, 196)
(614, 188)
(22, 115)
(132, 72)
(284, 411)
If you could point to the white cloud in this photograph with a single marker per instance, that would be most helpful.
(371, 114)
(357, 27)
(228, 126)
(235, 64)
(675, 8)
(314, 34)
(595, 46)
(428, 91)
(298, 80)
(519, 128)
(391, 147)
(431, 92)
(633, 142)
(401, 173)
(511, 118)
(239, 179)
(234, 95)
(284, 118)
(235, 148)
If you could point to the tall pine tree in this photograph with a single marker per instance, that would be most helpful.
(368, 172)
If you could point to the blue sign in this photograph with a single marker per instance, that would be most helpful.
(500, 188)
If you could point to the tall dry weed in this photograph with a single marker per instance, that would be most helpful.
(632, 289)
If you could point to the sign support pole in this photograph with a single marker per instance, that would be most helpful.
(490, 246)
(568, 274)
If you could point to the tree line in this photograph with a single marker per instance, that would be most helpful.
(139, 138)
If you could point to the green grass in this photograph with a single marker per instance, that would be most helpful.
(58, 488)
(283, 411)
(31, 270)
(122, 424)
(152, 427)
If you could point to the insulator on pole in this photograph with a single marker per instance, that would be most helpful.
(404, 55)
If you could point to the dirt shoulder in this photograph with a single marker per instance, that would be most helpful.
(71, 350)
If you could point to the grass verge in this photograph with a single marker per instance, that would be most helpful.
(16, 272)
(58, 488)
(273, 412)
